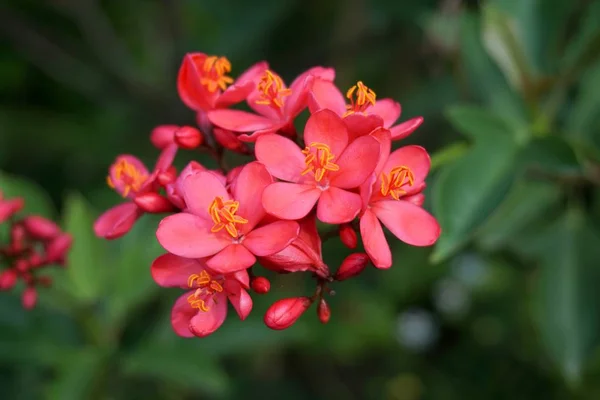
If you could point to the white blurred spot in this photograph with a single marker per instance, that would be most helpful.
(417, 330)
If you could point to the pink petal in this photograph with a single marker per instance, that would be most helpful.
(170, 270)
(272, 238)
(360, 125)
(325, 94)
(239, 298)
(117, 221)
(290, 200)
(404, 129)
(242, 277)
(232, 258)
(242, 86)
(251, 138)
(298, 100)
(408, 222)
(387, 109)
(204, 323)
(199, 191)
(366, 190)
(248, 190)
(181, 314)
(282, 157)
(385, 146)
(356, 163)
(325, 126)
(414, 157)
(189, 236)
(323, 73)
(166, 157)
(374, 240)
(337, 206)
(191, 91)
(239, 121)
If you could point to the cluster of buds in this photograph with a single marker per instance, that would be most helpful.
(33, 243)
(224, 223)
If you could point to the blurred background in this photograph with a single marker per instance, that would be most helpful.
(505, 306)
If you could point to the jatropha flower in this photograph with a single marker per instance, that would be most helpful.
(129, 177)
(203, 309)
(393, 196)
(226, 223)
(326, 172)
(276, 105)
(33, 244)
(225, 226)
(361, 101)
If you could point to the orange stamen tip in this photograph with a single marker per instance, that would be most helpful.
(215, 70)
(393, 184)
(272, 90)
(318, 160)
(223, 215)
(361, 98)
(131, 178)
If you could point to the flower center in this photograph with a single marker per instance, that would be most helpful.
(318, 160)
(128, 176)
(206, 287)
(223, 215)
(215, 71)
(272, 90)
(361, 98)
(392, 183)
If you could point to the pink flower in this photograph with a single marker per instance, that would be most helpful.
(129, 177)
(324, 173)
(224, 226)
(9, 207)
(393, 196)
(324, 94)
(275, 105)
(203, 82)
(202, 310)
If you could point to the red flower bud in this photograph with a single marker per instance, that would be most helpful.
(230, 141)
(168, 176)
(153, 203)
(29, 298)
(285, 312)
(8, 278)
(40, 227)
(188, 137)
(352, 265)
(36, 259)
(18, 235)
(323, 311)
(163, 135)
(22, 265)
(58, 247)
(261, 285)
(348, 236)
(9, 207)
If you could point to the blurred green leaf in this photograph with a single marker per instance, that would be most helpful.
(179, 365)
(503, 45)
(36, 199)
(88, 264)
(526, 202)
(583, 121)
(551, 154)
(583, 47)
(77, 374)
(467, 191)
(565, 297)
(485, 77)
(477, 122)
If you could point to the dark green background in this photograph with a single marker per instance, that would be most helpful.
(505, 306)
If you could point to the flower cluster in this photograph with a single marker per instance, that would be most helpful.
(31, 243)
(340, 171)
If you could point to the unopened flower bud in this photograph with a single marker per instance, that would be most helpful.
(18, 235)
(29, 298)
(10, 207)
(261, 285)
(323, 311)
(58, 247)
(163, 135)
(168, 176)
(348, 236)
(8, 278)
(188, 137)
(285, 312)
(21, 264)
(352, 265)
(153, 203)
(230, 141)
(40, 227)
(36, 259)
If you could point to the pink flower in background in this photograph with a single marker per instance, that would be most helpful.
(275, 104)
(8, 207)
(324, 173)
(393, 196)
(203, 309)
(362, 101)
(225, 226)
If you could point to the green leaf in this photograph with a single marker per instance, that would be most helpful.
(179, 364)
(484, 76)
(88, 261)
(565, 296)
(466, 193)
(36, 199)
(77, 375)
(478, 123)
(527, 202)
(581, 48)
(551, 154)
(584, 119)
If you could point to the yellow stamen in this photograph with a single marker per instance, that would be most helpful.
(215, 70)
(272, 90)
(361, 98)
(319, 160)
(128, 175)
(392, 184)
(206, 286)
(223, 215)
